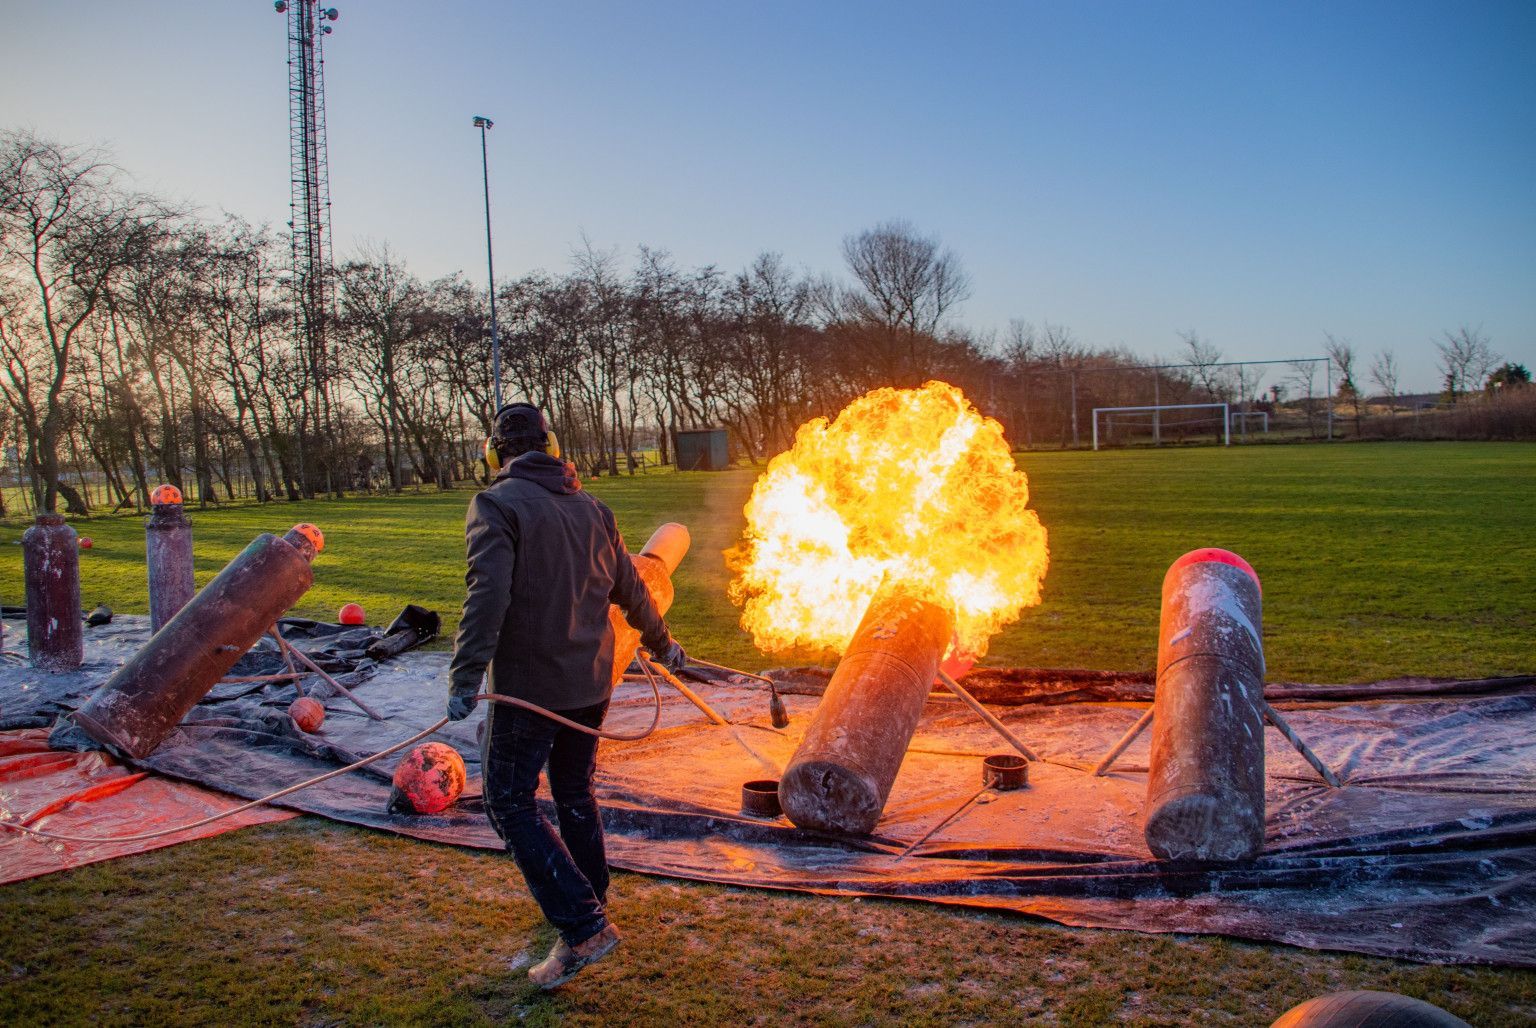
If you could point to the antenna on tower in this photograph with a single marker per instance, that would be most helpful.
(310, 211)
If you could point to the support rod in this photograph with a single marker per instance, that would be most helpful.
(709, 712)
(1125, 741)
(986, 715)
(303, 658)
(934, 830)
(1306, 751)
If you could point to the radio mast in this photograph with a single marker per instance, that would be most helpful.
(310, 210)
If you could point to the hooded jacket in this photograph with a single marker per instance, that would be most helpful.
(545, 561)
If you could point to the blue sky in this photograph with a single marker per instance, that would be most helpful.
(1259, 173)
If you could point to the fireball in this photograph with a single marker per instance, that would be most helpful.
(908, 488)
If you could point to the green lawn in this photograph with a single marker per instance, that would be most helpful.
(1376, 559)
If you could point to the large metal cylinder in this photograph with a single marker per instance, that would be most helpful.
(663, 552)
(147, 697)
(839, 778)
(168, 555)
(1205, 789)
(51, 558)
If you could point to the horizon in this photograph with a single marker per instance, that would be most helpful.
(1261, 177)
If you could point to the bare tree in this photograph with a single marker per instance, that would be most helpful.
(1385, 374)
(1342, 354)
(907, 284)
(1466, 358)
(383, 314)
(1304, 378)
(1204, 358)
(65, 232)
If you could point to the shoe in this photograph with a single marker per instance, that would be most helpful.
(565, 961)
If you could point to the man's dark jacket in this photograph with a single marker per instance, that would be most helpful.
(545, 561)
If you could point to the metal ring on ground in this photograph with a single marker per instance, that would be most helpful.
(760, 798)
(1005, 771)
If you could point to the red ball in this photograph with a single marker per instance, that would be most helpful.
(85, 542)
(307, 713)
(428, 780)
(351, 614)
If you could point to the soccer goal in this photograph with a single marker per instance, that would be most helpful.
(1154, 414)
(1244, 418)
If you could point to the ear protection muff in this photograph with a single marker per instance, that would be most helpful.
(551, 441)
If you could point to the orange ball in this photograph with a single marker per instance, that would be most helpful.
(351, 614)
(428, 780)
(307, 713)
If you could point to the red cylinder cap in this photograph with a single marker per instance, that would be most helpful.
(1215, 555)
(165, 494)
(313, 534)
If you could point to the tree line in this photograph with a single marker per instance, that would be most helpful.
(140, 343)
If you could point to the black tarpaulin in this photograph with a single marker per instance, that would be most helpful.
(1427, 853)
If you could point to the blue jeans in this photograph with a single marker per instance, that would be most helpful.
(567, 873)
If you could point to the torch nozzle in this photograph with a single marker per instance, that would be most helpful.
(776, 711)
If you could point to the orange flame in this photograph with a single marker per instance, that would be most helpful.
(913, 486)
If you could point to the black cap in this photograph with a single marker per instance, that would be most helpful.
(520, 422)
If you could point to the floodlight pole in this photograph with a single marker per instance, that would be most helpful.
(483, 123)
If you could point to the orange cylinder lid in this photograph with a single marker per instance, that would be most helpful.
(312, 533)
(165, 494)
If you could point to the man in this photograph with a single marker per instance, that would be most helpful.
(545, 562)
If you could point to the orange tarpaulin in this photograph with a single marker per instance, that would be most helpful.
(90, 794)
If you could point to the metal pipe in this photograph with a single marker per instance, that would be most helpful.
(304, 659)
(168, 556)
(145, 699)
(688, 694)
(1125, 741)
(841, 775)
(698, 701)
(1205, 784)
(987, 716)
(1301, 747)
(50, 552)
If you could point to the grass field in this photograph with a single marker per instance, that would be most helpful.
(1377, 560)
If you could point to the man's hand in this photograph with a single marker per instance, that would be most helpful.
(671, 656)
(460, 707)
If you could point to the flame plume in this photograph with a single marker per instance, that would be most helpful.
(912, 487)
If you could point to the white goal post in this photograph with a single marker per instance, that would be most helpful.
(1226, 418)
(1242, 417)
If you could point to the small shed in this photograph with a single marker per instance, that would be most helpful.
(701, 449)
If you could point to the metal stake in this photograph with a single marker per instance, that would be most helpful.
(957, 812)
(986, 715)
(303, 658)
(709, 712)
(1301, 747)
(1125, 741)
